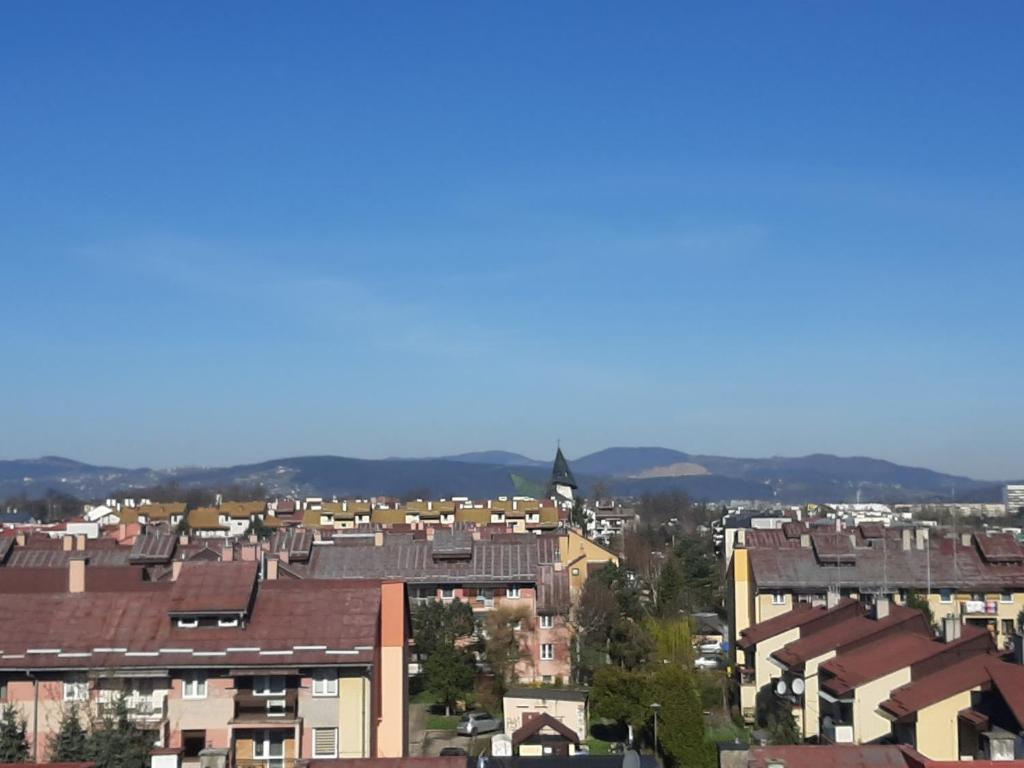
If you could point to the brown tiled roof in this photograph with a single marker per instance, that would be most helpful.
(537, 723)
(829, 756)
(214, 588)
(955, 678)
(800, 615)
(97, 579)
(6, 544)
(153, 548)
(781, 563)
(297, 542)
(902, 649)
(849, 634)
(552, 591)
(288, 626)
(52, 555)
(412, 559)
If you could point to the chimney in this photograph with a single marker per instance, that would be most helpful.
(80, 542)
(271, 563)
(284, 557)
(249, 553)
(921, 537)
(378, 539)
(227, 554)
(965, 539)
(882, 607)
(430, 533)
(183, 540)
(76, 575)
(907, 536)
(832, 598)
(805, 540)
(19, 539)
(950, 629)
(67, 543)
(122, 531)
(176, 570)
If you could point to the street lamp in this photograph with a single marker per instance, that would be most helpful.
(655, 707)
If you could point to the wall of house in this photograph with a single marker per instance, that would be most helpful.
(868, 724)
(765, 669)
(392, 677)
(21, 693)
(211, 714)
(1007, 611)
(740, 596)
(573, 546)
(812, 705)
(765, 608)
(937, 728)
(572, 714)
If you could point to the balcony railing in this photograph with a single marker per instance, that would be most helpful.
(266, 762)
(139, 707)
(282, 706)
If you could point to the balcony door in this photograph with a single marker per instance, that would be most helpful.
(268, 748)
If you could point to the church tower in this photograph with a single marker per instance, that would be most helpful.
(563, 484)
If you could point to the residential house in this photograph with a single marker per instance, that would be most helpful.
(566, 705)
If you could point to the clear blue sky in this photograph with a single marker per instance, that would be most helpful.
(241, 231)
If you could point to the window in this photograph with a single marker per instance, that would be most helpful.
(76, 690)
(227, 622)
(512, 593)
(945, 595)
(1006, 597)
(325, 683)
(547, 622)
(193, 686)
(268, 685)
(447, 593)
(188, 623)
(778, 598)
(325, 742)
(547, 651)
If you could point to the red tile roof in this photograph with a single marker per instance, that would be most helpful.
(953, 679)
(214, 587)
(802, 615)
(829, 756)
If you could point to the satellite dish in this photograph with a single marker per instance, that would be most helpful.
(780, 687)
(631, 759)
(798, 686)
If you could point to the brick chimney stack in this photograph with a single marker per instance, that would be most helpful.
(76, 574)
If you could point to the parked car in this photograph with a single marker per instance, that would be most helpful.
(705, 662)
(477, 722)
(709, 648)
(453, 752)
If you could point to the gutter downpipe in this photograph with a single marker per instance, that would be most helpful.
(35, 715)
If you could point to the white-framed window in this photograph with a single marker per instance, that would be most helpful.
(447, 593)
(547, 651)
(1006, 597)
(325, 682)
(325, 742)
(76, 690)
(547, 622)
(193, 685)
(188, 623)
(512, 593)
(945, 595)
(227, 622)
(268, 685)
(778, 598)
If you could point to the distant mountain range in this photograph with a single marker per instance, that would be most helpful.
(622, 471)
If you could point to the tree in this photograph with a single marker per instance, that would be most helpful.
(919, 602)
(258, 528)
(501, 644)
(592, 623)
(669, 596)
(776, 716)
(448, 674)
(71, 742)
(578, 515)
(621, 695)
(629, 645)
(672, 639)
(116, 742)
(13, 743)
(438, 623)
(681, 730)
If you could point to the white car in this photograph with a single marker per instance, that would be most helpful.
(705, 662)
(710, 648)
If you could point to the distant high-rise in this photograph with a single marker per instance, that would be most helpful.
(1013, 498)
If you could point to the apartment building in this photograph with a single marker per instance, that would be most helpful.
(272, 671)
(489, 571)
(976, 577)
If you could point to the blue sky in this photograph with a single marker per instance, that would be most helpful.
(239, 231)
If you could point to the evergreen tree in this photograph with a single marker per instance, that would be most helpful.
(670, 588)
(71, 742)
(13, 743)
(116, 742)
(438, 623)
(448, 674)
(681, 722)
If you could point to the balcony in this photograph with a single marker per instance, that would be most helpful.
(746, 675)
(250, 708)
(141, 709)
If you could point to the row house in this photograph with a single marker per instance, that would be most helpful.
(851, 676)
(516, 515)
(520, 571)
(271, 671)
(976, 577)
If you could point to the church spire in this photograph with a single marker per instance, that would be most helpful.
(562, 482)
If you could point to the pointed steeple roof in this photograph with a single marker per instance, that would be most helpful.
(560, 472)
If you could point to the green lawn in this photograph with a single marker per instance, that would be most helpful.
(598, 747)
(441, 722)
